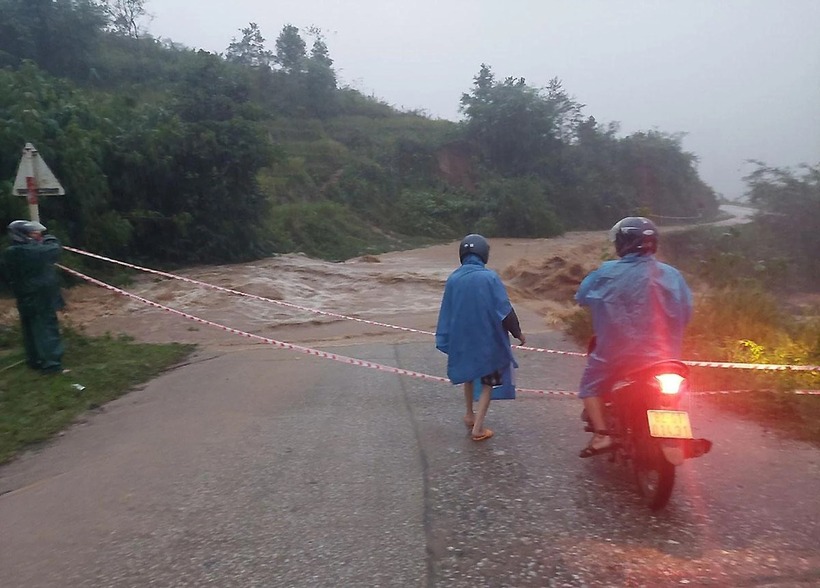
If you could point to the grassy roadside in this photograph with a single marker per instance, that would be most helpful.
(793, 416)
(34, 407)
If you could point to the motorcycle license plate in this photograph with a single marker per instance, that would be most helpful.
(672, 424)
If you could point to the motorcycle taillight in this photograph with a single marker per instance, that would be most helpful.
(670, 383)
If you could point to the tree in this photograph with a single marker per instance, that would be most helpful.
(515, 125)
(320, 79)
(124, 16)
(290, 50)
(210, 89)
(519, 207)
(483, 84)
(250, 50)
(185, 176)
(189, 188)
(319, 52)
(790, 205)
(59, 36)
(591, 190)
(69, 131)
(566, 110)
(663, 176)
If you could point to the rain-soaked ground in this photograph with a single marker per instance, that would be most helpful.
(524, 510)
(257, 467)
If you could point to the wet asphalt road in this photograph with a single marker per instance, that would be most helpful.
(263, 467)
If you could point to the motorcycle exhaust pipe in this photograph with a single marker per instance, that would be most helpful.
(698, 447)
(676, 451)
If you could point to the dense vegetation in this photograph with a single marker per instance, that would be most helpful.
(175, 156)
(758, 306)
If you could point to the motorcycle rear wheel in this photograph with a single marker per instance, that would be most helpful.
(655, 478)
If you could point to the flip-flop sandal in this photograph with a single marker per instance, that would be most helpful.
(486, 434)
(590, 451)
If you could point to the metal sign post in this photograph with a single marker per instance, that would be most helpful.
(35, 179)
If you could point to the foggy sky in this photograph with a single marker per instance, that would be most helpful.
(740, 77)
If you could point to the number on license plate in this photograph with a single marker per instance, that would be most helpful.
(669, 423)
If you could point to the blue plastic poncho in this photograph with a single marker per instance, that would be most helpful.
(469, 327)
(640, 308)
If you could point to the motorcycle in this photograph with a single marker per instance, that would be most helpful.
(650, 429)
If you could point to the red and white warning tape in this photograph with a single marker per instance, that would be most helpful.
(770, 367)
(710, 364)
(282, 344)
(240, 293)
(289, 304)
(722, 392)
(337, 357)
(324, 354)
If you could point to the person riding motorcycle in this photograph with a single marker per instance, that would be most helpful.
(640, 308)
(29, 270)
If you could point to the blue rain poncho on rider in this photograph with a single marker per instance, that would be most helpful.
(470, 329)
(640, 308)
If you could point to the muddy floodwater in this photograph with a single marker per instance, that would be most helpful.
(541, 275)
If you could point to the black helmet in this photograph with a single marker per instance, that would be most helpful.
(20, 230)
(475, 244)
(634, 234)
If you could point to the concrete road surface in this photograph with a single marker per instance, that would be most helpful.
(263, 467)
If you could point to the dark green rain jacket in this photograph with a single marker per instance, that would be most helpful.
(29, 269)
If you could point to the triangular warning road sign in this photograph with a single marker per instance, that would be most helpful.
(34, 173)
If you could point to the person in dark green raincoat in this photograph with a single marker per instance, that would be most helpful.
(29, 270)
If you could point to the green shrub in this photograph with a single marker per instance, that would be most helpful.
(328, 230)
(441, 215)
(519, 208)
(578, 325)
(747, 326)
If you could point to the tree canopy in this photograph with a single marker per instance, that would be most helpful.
(174, 155)
(250, 49)
(790, 213)
(590, 177)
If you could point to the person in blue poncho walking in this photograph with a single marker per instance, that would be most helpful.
(640, 308)
(473, 325)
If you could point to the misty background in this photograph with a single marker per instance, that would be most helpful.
(741, 78)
